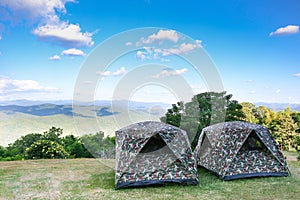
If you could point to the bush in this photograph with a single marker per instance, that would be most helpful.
(46, 149)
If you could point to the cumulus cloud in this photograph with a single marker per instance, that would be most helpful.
(34, 10)
(46, 14)
(72, 52)
(8, 86)
(120, 72)
(170, 72)
(55, 57)
(160, 36)
(64, 34)
(287, 30)
(297, 75)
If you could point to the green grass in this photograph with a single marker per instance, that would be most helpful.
(94, 179)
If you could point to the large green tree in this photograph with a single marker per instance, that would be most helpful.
(205, 109)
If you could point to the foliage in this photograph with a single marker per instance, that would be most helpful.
(205, 109)
(75, 147)
(285, 130)
(283, 125)
(46, 149)
(53, 134)
(99, 146)
(51, 144)
(17, 149)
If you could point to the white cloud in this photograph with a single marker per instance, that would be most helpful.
(46, 14)
(249, 81)
(160, 36)
(170, 72)
(72, 52)
(141, 55)
(8, 85)
(287, 30)
(120, 71)
(64, 34)
(55, 57)
(106, 73)
(278, 91)
(158, 53)
(252, 92)
(297, 75)
(182, 49)
(128, 43)
(35, 10)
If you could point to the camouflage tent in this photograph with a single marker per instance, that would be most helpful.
(150, 153)
(239, 149)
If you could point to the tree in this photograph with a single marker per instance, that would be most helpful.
(75, 147)
(205, 109)
(46, 149)
(250, 112)
(53, 134)
(173, 116)
(98, 145)
(234, 111)
(285, 130)
(19, 146)
(265, 116)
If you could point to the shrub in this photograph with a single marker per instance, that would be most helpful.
(46, 149)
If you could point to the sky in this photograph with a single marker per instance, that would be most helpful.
(252, 49)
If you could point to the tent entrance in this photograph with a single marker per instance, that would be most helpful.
(253, 143)
(155, 143)
(154, 156)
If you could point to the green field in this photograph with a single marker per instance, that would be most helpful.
(94, 179)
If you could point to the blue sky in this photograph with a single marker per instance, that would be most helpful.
(255, 46)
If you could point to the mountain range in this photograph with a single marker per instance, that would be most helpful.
(20, 117)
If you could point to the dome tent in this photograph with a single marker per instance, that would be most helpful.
(239, 149)
(150, 153)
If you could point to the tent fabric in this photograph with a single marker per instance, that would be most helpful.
(153, 153)
(240, 149)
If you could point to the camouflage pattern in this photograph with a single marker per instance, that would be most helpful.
(173, 162)
(240, 149)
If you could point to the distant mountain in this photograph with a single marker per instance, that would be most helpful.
(130, 104)
(24, 102)
(279, 106)
(38, 116)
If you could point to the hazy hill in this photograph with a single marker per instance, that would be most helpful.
(279, 106)
(17, 120)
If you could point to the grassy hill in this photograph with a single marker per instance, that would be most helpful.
(94, 179)
(16, 121)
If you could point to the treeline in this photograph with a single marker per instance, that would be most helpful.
(212, 107)
(51, 144)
